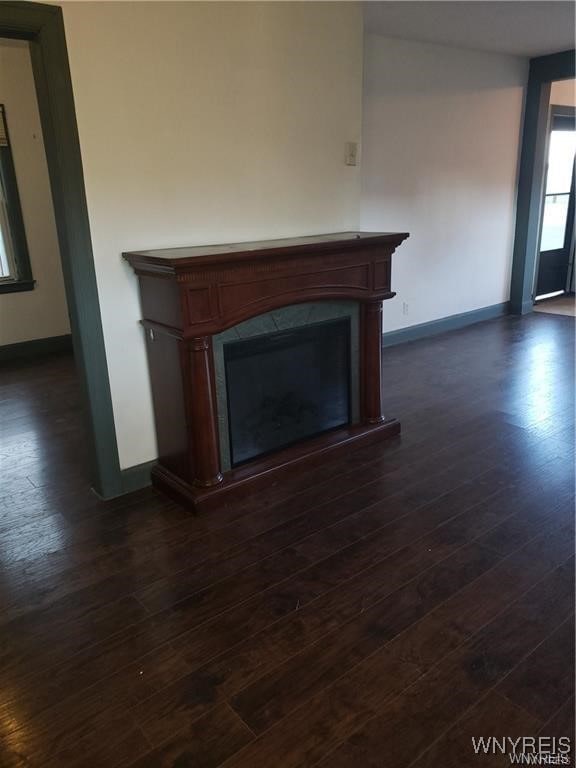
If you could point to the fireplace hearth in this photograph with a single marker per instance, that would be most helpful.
(263, 356)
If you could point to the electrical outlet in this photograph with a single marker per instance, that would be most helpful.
(404, 308)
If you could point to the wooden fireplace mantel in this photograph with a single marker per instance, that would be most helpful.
(190, 294)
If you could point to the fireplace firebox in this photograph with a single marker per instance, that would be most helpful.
(236, 410)
(286, 386)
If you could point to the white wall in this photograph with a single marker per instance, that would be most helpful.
(440, 153)
(42, 312)
(203, 123)
(563, 92)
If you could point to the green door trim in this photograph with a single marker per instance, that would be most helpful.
(43, 26)
(543, 71)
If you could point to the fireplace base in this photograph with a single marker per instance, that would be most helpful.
(241, 482)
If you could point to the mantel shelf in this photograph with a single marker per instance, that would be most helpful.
(186, 257)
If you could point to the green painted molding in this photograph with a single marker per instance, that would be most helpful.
(27, 350)
(137, 477)
(451, 323)
(43, 26)
(17, 286)
(543, 70)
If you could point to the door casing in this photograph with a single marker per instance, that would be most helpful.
(559, 257)
(43, 26)
(542, 72)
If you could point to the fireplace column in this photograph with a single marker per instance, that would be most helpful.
(372, 311)
(203, 426)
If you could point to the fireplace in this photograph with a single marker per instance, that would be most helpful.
(263, 357)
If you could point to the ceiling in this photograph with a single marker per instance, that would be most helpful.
(517, 27)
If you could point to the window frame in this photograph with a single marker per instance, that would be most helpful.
(23, 279)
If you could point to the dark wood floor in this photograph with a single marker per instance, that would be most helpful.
(379, 610)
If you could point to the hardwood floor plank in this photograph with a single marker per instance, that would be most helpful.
(316, 605)
(480, 603)
(99, 749)
(354, 709)
(206, 743)
(562, 726)
(545, 679)
(452, 687)
(97, 713)
(206, 603)
(342, 603)
(371, 584)
(273, 696)
(148, 559)
(258, 654)
(172, 590)
(493, 716)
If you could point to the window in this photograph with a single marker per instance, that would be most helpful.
(15, 272)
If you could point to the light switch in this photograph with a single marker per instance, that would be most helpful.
(351, 153)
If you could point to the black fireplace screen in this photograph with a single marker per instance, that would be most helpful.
(287, 386)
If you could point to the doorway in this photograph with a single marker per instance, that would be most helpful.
(544, 70)
(42, 434)
(43, 26)
(555, 258)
